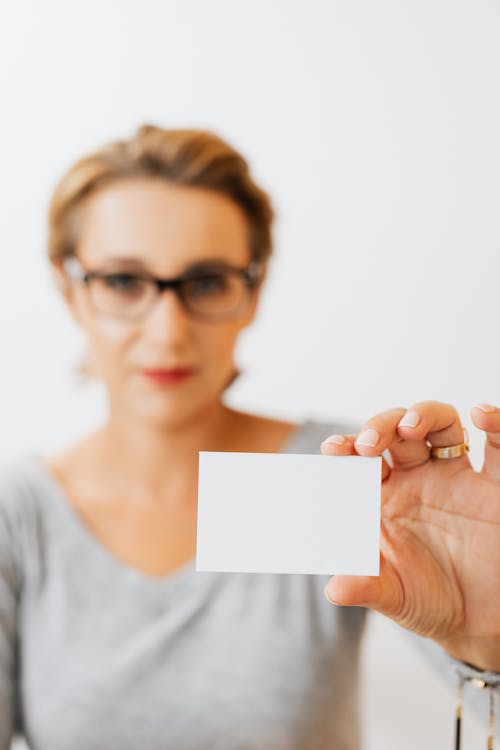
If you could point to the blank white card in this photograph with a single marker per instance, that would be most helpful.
(288, 513)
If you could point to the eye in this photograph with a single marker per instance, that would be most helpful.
(124, 282)
(121, 286)
(208, 285)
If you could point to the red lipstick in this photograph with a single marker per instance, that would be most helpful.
(169, 377)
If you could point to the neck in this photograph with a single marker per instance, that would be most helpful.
(151, 460)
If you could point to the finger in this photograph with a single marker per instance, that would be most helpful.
(338, 445)
(437, 422)
(343, 445)
(487, 419)
(381, 433)
(434, 420)
(383, 593)
(378, 433)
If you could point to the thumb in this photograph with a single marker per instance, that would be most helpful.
(487, 419)
(382, 593)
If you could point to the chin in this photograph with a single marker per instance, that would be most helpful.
(170, 406)
(168, 412)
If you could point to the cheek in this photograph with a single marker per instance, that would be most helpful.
(103, 334)
(218, 346)
(107, 341)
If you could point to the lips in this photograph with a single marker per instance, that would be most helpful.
(171, 375)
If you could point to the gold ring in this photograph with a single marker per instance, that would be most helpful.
(451, 451)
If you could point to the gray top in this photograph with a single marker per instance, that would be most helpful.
(96, 655)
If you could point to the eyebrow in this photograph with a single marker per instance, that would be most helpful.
(137, 264)
(123, 261)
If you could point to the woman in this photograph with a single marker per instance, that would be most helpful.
(108, 636)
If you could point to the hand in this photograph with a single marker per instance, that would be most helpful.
(440, 530)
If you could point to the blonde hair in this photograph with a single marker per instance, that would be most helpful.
(189, 157)
(196, 158)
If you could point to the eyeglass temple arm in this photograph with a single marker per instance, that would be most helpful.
(74, 269)
(254, 271)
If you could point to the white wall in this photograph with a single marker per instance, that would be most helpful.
(376, 128)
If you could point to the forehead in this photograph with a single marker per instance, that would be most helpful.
(162, 226)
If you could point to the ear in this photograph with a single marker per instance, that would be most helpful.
(59, 277)
(252, 310)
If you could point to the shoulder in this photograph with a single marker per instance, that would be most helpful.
(255, 432)
(13, 474)
(14, 511)
(262, 433)
(21, 490)
(25, 503)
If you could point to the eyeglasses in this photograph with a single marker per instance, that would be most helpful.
(209, 292)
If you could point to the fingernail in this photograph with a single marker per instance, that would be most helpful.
(325, 591)
(410, 419)
(369, 438)
(337, 439)
(487, 408)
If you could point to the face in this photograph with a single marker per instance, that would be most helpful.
(150, 226)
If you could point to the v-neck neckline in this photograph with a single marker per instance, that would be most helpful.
(102, 550)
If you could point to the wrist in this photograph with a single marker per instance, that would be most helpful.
(480, 654)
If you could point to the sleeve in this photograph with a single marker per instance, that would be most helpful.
(480, 689)
(9, 596)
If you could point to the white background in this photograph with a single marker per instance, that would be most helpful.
(376, 127)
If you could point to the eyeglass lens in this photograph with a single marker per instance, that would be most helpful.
(211, 295)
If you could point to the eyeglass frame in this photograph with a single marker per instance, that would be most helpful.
(251, 275)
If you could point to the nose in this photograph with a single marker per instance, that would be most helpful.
(167, 321)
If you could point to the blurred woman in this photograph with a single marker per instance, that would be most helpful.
(108, 636)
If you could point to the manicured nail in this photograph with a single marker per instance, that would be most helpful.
(487, 408)
(369, 438)
(337, 439)
(325, 591)
(410, 419)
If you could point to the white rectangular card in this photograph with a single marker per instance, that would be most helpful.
(288, 513)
